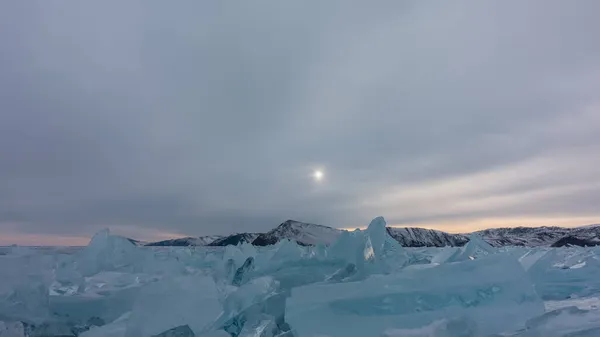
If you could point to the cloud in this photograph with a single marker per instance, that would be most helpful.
(209, 118)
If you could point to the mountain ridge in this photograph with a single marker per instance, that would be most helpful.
(185, 241)
(308, 234)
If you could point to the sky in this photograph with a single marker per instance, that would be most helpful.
(160, 119)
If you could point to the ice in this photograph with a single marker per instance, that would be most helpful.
(180, 331)
(53, 329)
(370, 251)
(286, 251)
(250, 304)
(24, 288)
(493, 291)
(364, 284)
(235, 254)
(564, 322)
(106, 295)
(559, 276)
(116, 328)
(458, 327)
(251, 293)
(241, 275)
(12, 329)
(344, 274)
(107, 252)
(377, 235)
(475, 248)
(586, 303)
(173, 302)
(531, 257)
(444, 254)
(263, 326)
(218, 333)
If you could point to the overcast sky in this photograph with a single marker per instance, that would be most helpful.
(162, 119)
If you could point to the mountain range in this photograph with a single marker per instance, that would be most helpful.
(310, 234)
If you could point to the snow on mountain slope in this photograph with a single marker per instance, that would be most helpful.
(235, 239)
(311, 234)
(524, 236)
(580, 236)
(187, 241)
(421, 237)
(303, 233)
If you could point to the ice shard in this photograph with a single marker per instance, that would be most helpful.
(370, 251)
(474, 249)
(242, 274)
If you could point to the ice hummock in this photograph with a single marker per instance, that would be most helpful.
(474, 249)
(370, 251)
(107, 252)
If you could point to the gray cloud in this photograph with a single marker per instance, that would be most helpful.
(209, 118)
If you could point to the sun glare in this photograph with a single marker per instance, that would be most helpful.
(318, 175)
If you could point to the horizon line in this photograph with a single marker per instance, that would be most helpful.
(462, 227)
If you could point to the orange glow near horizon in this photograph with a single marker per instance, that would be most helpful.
(456, 226)
(25, 239)
(467, 226)
(7, 239)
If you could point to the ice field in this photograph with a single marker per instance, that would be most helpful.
(365, 284)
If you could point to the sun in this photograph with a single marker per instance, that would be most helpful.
(318, 175)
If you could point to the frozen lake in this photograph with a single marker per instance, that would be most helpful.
(364, 284)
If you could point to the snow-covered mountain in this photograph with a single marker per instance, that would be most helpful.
(523, 236)
(421, 237)
(303, 233)
(311, 234)
(542, 236)
(235, 239)
(580, 236)
(187, 241)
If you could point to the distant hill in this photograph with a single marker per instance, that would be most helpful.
(304, 233)
(235, 239)
(310, 234)
(187, 241)
(542, 236)
(421, 237)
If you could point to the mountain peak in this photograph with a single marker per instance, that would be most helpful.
(301, 232)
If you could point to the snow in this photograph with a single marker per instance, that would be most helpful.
(311, 234)
(420, 237)
(302, 233)
(187, 241)
(310, 281)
